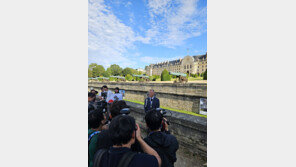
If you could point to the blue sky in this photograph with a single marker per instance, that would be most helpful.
(136, 33)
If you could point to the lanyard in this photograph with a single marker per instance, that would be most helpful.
(91, 135)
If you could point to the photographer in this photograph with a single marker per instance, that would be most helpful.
(96, 120)
(163, 142)
(104, 136)
(124, 132)
(95, 92)
(151, 102)
(91, 99)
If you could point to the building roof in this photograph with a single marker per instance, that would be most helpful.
(176, 62)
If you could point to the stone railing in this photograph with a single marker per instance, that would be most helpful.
(190, 131)
(177, 96)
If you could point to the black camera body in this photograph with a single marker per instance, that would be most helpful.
(104, 95)
(162, 111)
(125, 111)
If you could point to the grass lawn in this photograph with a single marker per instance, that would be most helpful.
(167, 108)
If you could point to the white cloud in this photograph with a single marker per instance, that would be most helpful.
(108, 37)
(172, 22)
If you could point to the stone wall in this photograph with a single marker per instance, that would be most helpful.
(190, 131)
(177, 96)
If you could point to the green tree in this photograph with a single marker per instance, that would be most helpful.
(126, 71)
(115, 70)
(205, 75)
(129, 77)
(106, 74)
(89, 73)
(165, 76)
(96, 70)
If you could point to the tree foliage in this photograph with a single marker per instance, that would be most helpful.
(127, 70)
(115, 70)
(129, 77)
(205, 75)
(96, 70)
(165, 76)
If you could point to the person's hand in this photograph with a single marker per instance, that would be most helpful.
(166, 124)
(138, 132)
(105, 127)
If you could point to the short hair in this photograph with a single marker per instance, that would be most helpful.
(153, 119)
(95, 119)
(116, 107)
(117, 88)
(105, 86)
(91, 95)
(121, 129)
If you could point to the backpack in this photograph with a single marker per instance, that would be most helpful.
(124, 161)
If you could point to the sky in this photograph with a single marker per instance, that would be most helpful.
(136, 33)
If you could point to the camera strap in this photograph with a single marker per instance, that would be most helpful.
(91, 135)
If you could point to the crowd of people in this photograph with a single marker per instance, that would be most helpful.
(115, 139)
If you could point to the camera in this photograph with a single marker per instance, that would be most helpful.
(162, 111)
(104, 95)
(125, 111)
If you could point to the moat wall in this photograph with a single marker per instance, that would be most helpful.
(177, 96)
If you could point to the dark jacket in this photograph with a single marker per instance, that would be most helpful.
(105, 142)
(166, 145)
(113, 156)
(147, 105)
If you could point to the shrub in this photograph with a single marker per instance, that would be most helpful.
(129, 77)
(205, 75)
(165, 76)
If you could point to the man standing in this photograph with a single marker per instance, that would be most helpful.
(151, 102)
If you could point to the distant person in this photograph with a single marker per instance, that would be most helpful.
(151, 102)
(106, 94)
(164, 143)
(117, 95)
(124, 132)
(96, 121)
(95, 92)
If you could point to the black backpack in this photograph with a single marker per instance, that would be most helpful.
(124, 161)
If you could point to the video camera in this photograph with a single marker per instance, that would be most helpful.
(163, 112)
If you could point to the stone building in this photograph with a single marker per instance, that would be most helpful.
(189, 64)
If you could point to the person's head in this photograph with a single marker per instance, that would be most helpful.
(105, 88)
(116, 90)
(96, 119)
(153, 120)
(116, 107)
(151, 93)
(93, 91)
(91, 97)
(123, 130)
